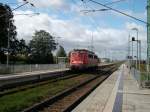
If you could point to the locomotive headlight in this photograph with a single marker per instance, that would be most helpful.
(81, 62)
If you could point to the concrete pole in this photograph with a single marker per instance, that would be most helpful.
(132, 53)
(148, 36)
(129, 50)
(8, 43)
(57, 47)
(139, 55)
(92, 48)
(137, 47)
(137, 51)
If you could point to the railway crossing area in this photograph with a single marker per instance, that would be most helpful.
(118, 93)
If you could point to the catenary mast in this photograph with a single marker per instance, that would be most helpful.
(148, 31)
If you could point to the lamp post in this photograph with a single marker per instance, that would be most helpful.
(135, 29)
(139, 55)
(6, 14)
(138, 42)
(8, 40)
(57, 38)
(128, 55)
(132, 53)
(133, 39)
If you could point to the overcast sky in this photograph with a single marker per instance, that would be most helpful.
(63, 18)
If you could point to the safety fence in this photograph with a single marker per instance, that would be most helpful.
(4, 69)
(142, 77)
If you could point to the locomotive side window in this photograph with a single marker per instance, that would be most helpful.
(90, 56)
(95, 57)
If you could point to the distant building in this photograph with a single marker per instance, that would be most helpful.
(104, 60)
(62, 60)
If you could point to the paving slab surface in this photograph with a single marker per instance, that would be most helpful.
(135, 99)
(98, 99)
(111, 97)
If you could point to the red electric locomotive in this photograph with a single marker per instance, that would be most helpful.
(83, 59)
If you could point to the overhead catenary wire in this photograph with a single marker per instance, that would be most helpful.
(96, 24)
(90, 18)
(12, 3)
(14, 9)
(114, 2)
(92, 21)
(109, 3)
(26, 2)
(118, 11)
(115, 10)
(99, 9)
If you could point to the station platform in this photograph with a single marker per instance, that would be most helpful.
(14, 75)
(118, 93)
(12, 80)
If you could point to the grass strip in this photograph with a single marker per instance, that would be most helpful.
(29, 86)
(20, 100)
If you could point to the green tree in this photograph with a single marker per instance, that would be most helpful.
(61, 52)
(23, 47)
(41, 47)
(6, 27)
(21, 52)
(14, 50)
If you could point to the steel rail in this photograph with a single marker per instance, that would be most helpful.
(50, 101)
(7, 92)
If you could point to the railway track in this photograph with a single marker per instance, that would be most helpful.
(16, 102)
(7, 91)
(38, 94)
(35, 79)
(38, 81)
(68, 99)
(23, 88)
